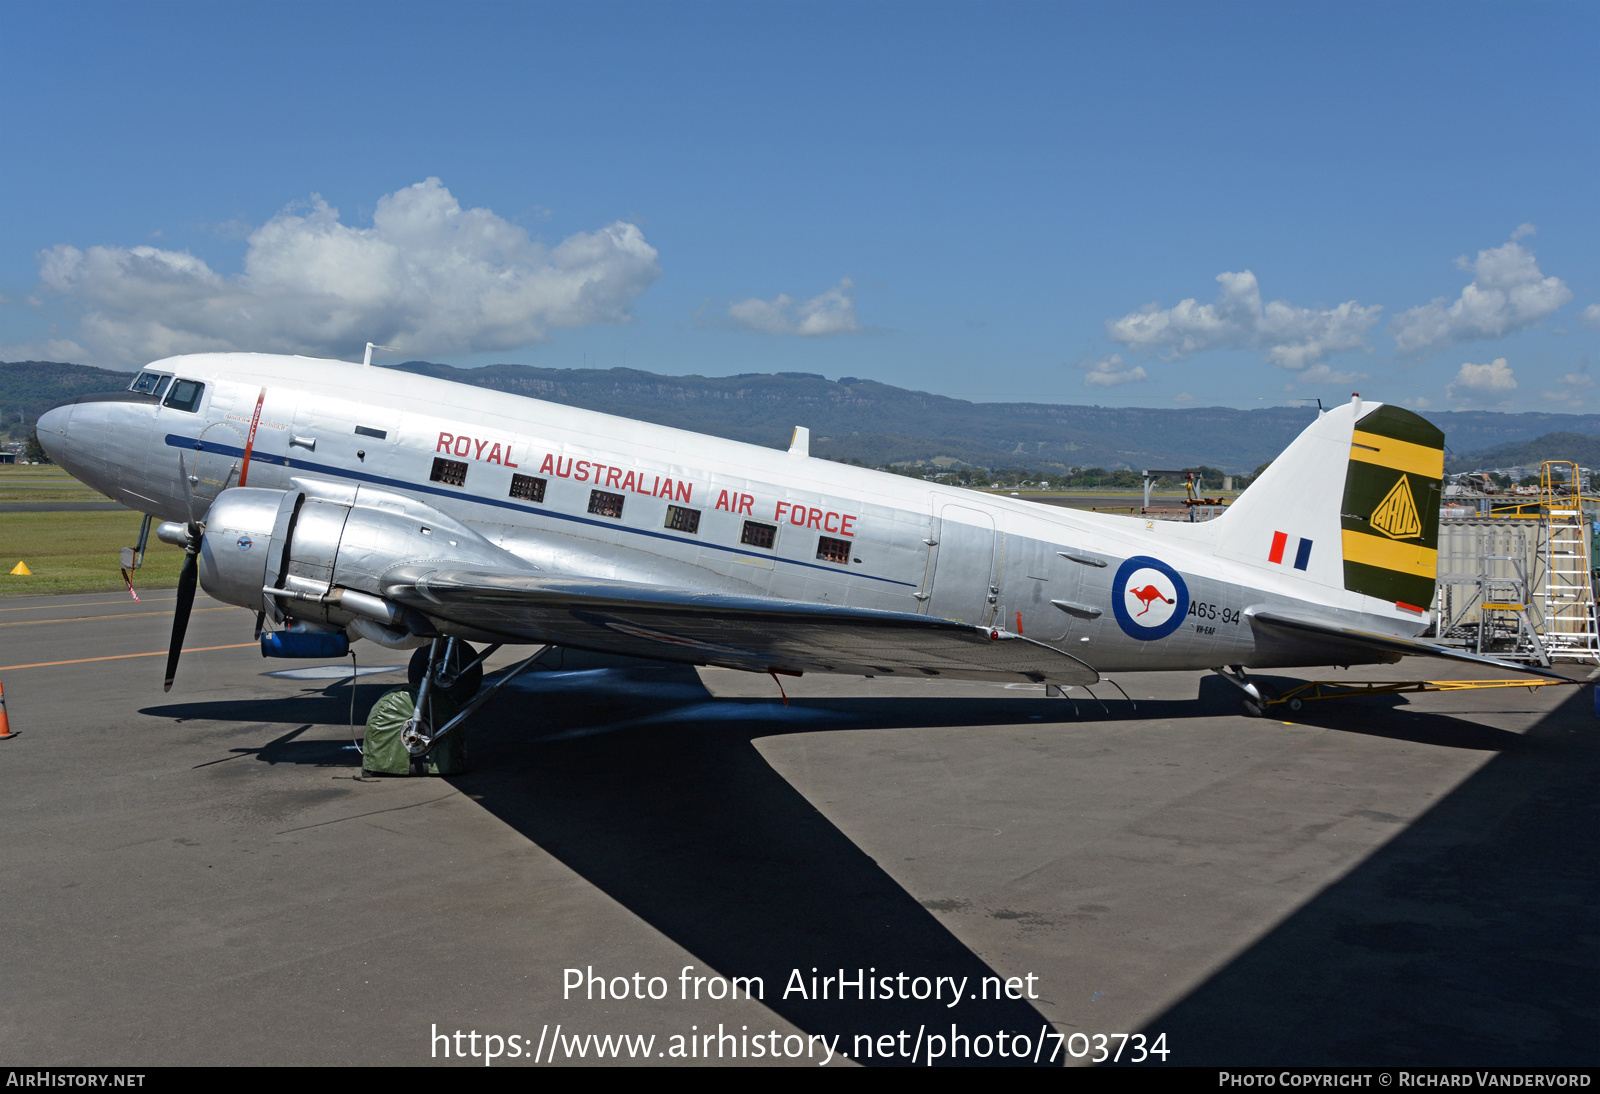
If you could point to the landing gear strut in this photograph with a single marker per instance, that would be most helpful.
(457, 668)
(438, 671)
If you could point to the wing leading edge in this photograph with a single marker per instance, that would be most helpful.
(743, 632)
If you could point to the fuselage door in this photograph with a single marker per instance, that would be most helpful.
(964, 578)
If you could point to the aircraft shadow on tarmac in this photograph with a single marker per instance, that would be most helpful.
(614, 695)
(1466, 940)
(651, 789)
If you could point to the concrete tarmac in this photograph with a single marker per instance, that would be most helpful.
(201, 877)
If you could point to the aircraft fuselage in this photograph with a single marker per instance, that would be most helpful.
(582, 493)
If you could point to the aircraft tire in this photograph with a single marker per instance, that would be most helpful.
(467, 683)
(1252, 709)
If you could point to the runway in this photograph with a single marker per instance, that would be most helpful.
(197, 877)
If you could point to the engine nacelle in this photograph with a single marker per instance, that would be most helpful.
(326, 546)
(233, 552)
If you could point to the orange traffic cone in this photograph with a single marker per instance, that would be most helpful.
(5, 723)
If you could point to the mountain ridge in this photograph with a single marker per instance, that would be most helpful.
(881, 425)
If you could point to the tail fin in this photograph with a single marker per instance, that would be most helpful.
(1352, 504)
(1390, 517)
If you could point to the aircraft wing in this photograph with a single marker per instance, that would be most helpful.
(744, 632)
(1335, 636)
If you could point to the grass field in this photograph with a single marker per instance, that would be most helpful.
(46, 483)
(77, 553)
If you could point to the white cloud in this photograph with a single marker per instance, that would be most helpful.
(1523, 230)
(427, 277)
(1421, 402)
(1569, 390)
(1508, 293)
(1289, 336)
(832, 312)
(1322, 374)
(1590, 317)
(1491, 383)
(1110, 371)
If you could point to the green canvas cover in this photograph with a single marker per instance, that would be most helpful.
(384, 754)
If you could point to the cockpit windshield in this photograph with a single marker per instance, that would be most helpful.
(150, 383)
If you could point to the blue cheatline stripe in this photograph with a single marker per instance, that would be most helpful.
(1303, 555)
(175, 441)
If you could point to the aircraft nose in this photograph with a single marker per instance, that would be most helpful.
(52, 427)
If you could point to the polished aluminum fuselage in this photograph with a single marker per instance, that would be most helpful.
(998, 562)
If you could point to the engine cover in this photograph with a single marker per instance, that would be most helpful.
(233, 552)
(325, 537)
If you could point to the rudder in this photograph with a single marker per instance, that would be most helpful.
(1389, 519)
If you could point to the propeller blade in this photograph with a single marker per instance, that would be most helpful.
(180, 614)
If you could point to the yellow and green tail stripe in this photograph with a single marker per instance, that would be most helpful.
(1390, 515)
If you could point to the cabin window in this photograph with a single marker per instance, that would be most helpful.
(449, 472)
(368, 431)
(757, 534)
(602, 504)
(185, 395)
(527, 488)
(833, 550)
(680, 519)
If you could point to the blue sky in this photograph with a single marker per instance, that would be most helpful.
(1124, 203)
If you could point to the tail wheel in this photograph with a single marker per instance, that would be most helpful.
(465, 684)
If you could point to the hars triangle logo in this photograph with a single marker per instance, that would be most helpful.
(1396, 515)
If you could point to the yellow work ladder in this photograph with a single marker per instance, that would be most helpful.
(1569, 632)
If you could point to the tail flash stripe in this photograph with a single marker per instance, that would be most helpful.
(1387, 452)
(1388, 554)
(1302, 555)
(1278, 541)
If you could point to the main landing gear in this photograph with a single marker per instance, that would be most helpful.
(452, 668)
(458, 671)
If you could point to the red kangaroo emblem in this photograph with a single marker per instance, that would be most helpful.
(1148, 595)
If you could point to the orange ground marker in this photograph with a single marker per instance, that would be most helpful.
(5, 722)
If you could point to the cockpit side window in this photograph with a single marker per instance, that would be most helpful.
(150, 383)
(185, 395)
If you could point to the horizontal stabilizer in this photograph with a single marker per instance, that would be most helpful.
(1335, 636)
(745, 632)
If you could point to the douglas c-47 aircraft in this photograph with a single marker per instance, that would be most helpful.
(343, 502)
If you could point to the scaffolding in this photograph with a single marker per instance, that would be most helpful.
(1517, 583)
(1566, 585)
(1483, 601)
